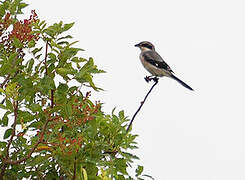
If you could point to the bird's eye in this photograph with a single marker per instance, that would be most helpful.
(147, 46)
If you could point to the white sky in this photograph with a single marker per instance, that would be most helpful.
(182, 134)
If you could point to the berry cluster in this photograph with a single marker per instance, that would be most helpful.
(22, 30)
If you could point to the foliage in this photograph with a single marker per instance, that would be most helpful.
(53, 129)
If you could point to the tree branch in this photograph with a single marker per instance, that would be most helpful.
(155, 79)
(8, 161)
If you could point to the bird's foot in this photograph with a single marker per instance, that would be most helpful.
(149, 78)
(155, 79)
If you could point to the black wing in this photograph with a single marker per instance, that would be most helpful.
(156, 60)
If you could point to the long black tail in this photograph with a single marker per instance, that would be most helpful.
(181, 82)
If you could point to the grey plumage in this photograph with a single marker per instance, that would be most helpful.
(155, 59)
(155, 64)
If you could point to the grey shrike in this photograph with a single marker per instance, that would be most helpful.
(155, 64)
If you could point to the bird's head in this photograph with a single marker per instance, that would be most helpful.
(145, 46)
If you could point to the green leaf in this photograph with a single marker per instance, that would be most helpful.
(42, 25)
(78, 60)
(2, 91)
(41, 22)
(58, 28)
(53, 29)
(50, 69)
(62, 88)
(5, 68)
(139, 170)
(92, 129)
(88, 66)
(68, 26)
(51, 59)
(65, 37)
(2, 144)
(35, 107)
(75, 43)
(31, 44)
(85, 73)
(20, 7)
(12, 8)
(36, 50)
(3, 107)
(52, 56)
(30, 65)
(17, 43)
(84, 172)
(121, 165)
(88, 78)
(9, 105)
(5, 119)
(6, 4)
(46, 84)
(96, 71)
(61, 93)
(2, 11)
(121, 177)
(121, 115)
(63, 43)
(67, 54)
(91, 169)
(36, 124)
(7, 133)
(26, 88)
(65, 71)
(25, 116)
(12, 57)
(67, 110)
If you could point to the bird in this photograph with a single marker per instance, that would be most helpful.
(155, 64)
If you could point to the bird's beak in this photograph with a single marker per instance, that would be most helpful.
(137, 45)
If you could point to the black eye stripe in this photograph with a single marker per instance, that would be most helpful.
(147, 46)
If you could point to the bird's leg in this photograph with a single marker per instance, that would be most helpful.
(149, 78)
(155, 79)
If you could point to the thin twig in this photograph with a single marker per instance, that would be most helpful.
(75, 169)
(52, 98)
(5, 80)
(155, 79)
(45, 59)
